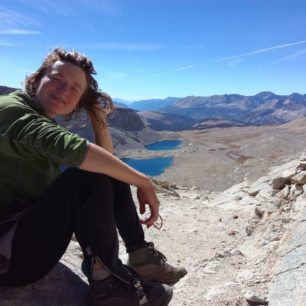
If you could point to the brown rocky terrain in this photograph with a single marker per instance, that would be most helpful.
(231, 226)
(232, 244)
(233, 206)
(216, 159)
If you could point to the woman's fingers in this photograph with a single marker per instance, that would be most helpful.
(147, 197)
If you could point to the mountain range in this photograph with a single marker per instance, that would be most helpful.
(201, 112)
(265, 108)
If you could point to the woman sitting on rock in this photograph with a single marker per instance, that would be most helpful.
(40, 208)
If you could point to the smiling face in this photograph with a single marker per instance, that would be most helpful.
(60, 89)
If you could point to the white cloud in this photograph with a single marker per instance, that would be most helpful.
(12, 19)
(125, 46)
(176, 70)
(184, 68)
(115, 75)
(53, 7)
(261, 51)
(293, 56)
(19, 32)
(194, 47)
(73, 7)
(4, 43)
(106, 6)
(235, 62)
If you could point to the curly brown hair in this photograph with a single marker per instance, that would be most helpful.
(92, 96)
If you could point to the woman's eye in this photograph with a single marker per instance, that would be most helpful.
(75, 90)
(56, 79)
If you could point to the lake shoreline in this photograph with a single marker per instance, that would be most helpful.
(155, 164)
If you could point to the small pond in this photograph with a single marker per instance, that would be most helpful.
(156, 165)
(164, 145)
(151, 166)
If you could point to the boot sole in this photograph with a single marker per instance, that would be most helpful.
(166, 282)
(162, 301)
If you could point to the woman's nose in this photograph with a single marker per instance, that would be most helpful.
(63, 86)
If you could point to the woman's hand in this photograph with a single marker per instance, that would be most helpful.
(97, 113)
(99, 125)
(146, 196)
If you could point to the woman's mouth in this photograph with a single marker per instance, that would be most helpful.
(57, 99)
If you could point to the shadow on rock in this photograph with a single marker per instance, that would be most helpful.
(60, 287)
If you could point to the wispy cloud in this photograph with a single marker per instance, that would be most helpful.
(235, 62)
(12, 19)
(13, 23)
(184, 68)
(260, 51)
(194, 47)
(116, 75)
(73, 7)
(63, 8)
(19, 32)
(105, 6)
(4, 43)
(176, 70)
(125, 46)
(294, 56)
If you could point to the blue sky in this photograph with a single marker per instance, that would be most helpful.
(145, 49)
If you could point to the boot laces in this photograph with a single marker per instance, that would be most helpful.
(158, 257)
(137, 283)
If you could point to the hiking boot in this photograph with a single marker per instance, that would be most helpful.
(114, 292)
(156, 294)
(151, 264)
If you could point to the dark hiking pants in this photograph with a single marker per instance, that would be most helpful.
(90, 205)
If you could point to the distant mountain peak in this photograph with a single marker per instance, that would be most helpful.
(265, 94)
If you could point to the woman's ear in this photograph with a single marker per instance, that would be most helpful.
(33, 88)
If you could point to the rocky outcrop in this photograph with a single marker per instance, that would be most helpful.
(246, 244)
(126, 119)
(126, 127)
(288, 286)
(129, 131)
(127, 140)
(279, 226)
(4, 90)
(269, 251)
(167, 122)
(61, 286)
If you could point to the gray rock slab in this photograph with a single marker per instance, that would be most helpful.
(61, 287)
(289, 286)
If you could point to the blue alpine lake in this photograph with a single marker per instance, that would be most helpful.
(156, 165)
(164, 145)
(151, 166)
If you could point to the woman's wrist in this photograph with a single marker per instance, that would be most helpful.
(145, 182)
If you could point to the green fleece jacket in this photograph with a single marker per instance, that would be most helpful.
(32, 148)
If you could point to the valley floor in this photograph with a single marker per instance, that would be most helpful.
(216, 159)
